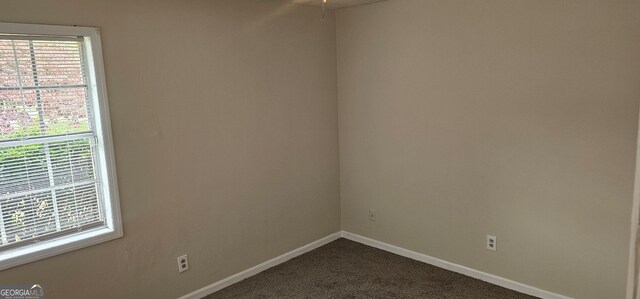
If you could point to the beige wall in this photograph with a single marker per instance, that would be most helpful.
(458, 119)
(225, 128)
(515, 118)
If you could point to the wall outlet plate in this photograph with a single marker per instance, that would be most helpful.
(372, 215)
(183, 263)
(492, 243)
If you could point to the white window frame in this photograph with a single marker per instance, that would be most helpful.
(106, 168)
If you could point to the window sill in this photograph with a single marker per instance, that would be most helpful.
(30, 253)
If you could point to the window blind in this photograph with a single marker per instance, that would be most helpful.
(48, 181)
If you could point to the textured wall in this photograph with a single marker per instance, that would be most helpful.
(515, 118)
(224, 119)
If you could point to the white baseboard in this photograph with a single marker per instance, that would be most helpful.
(497, 280)
(500, 281)
(219, 285)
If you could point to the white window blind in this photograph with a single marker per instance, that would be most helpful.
(49, 184)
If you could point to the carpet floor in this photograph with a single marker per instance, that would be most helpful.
(346, 269)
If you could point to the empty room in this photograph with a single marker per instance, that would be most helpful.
(319, 149)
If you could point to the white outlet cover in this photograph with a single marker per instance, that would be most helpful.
(183, 263)
(492, 243)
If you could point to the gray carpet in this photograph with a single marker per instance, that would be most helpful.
(346, 269)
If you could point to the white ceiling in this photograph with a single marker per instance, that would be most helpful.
(334, 4)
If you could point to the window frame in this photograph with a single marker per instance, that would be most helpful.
(105, 168)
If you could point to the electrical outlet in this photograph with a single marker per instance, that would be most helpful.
(492, 243)
(372, 215)
(183, 263)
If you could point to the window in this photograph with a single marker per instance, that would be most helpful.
(57, 178)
